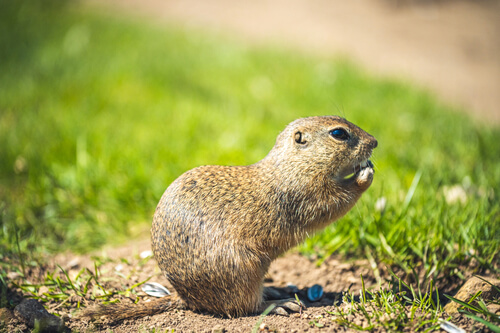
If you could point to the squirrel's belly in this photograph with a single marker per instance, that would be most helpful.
(207, 271)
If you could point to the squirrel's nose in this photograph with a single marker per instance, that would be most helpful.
(373, 143)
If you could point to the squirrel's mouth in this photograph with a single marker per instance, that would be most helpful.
(353, 171)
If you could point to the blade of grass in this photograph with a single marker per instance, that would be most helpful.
(462, 303)
(494, 328)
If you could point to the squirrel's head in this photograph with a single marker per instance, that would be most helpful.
(329, 146)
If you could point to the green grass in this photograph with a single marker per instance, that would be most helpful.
(401, 306)
(391, 309)
(87, 285)
(98, 114)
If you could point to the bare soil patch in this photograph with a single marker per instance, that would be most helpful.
(123, 267)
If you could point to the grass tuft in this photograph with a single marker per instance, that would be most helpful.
(391, 309)
(74, 292)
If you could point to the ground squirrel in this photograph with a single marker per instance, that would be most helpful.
(217, 229)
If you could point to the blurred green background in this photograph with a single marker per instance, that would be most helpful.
(99, 113)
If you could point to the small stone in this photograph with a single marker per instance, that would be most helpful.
(6, 315)
(146, 254)
(218, 329)
(384, 318)
(42, 290)
(13, 275)
(73, 263)
(470, 288)
(494, 308)
(344, 266)
(358, 321)
(263, 327)
(31, 312)
(280, 311)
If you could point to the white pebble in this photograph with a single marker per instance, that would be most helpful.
(146, 254)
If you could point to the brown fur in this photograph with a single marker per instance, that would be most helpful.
(118, 312)
(217, 229)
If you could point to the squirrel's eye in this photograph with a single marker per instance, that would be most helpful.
(340, 134)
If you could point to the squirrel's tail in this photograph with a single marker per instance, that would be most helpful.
(119, 311)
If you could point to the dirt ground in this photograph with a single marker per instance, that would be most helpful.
(123, 267)
(451, 47)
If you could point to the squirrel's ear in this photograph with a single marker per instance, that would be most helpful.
(299, 137)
